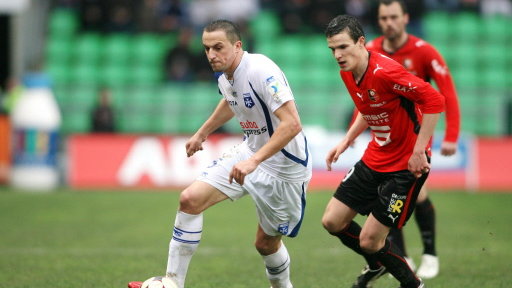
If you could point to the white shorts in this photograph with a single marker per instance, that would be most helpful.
(280, 204)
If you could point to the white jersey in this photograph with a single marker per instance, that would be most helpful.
(259, 88)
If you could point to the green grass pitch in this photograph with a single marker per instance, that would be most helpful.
(106, 239)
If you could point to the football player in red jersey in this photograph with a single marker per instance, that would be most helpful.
(402, 111)
(421, 59)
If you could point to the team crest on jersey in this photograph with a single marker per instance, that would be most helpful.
(249, 103)
(407, 64)
(372, 94)
(283, 228)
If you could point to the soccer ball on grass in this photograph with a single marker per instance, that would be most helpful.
(159, 282)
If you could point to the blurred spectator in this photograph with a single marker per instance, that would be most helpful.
(470, 5)
(102, 116)
(180, 60)
(440, 5)
(202, 69)
(148, 16)
(108, 16)
(161, 16)
(320, 12)
(416, 10)
(121, 17)
(293, 15)
(173, 15)
(93, 15)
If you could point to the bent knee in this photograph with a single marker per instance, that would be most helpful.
(369, 245)
(332, 225)
(190, 202)
(266, 247)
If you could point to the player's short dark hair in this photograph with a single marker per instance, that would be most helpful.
(231, 29)
(400, 2)
(341, 23)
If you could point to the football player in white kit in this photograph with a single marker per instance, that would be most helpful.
(272, 164)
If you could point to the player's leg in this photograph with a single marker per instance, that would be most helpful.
(398, 193)
(396, 236)
(280, 206)
(355, 194)
(276, 259)
(188, 227)
(373, 241)
(426, 220)
(337, 220)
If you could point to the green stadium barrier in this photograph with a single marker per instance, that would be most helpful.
(116, 49)
(87, 47)
(63, 23)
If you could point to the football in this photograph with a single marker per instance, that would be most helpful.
(159, 282)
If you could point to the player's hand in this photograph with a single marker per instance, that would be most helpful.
(242, 169)
(335, 153)
(448, 148)
(194, 144)
(418, 164)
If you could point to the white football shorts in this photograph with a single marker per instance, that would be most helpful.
(280, 204)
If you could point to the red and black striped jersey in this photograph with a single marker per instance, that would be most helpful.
(392, 101)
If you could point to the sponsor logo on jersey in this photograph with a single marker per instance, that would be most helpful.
(274, 88)
(396, 205)
(249, 103)
(252, 128)
(402, 88)
(249, 132)
(384, 116)
(378, 104)
(372, 94)
(407, 64)
(249, 125)
(440, 69)
(232, 103)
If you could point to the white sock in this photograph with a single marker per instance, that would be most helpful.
(278, 268)
(185, 239)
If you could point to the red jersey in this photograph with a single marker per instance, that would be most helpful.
(392, 101)
(422, 59)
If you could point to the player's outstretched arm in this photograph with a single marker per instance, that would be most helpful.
(219, 117)
(355, 130)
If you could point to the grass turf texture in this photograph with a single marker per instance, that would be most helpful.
(92, 239)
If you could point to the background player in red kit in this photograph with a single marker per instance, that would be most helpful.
(402, 111)
(422, 60)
